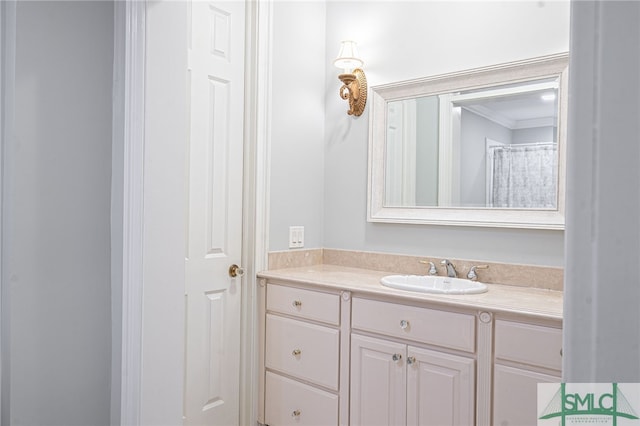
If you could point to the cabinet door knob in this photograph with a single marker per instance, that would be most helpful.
(404, 324)
(296, 352)
(296, 413)
(396, 357)
(297, 303)
(411, 360)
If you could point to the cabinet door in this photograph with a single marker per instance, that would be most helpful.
(440, 389)
(378, 382)
(515, 394)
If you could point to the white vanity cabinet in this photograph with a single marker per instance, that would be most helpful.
(344, 354)
(525, 354)
(301, 356)
(402, 368)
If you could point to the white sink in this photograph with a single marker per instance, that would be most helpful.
(433, 284)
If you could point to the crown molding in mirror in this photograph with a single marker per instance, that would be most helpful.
(512, 72)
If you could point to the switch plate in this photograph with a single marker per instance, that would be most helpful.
(296, 236)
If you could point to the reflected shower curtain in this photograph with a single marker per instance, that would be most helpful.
(525, 176)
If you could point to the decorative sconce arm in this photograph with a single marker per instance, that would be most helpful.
(354, 89)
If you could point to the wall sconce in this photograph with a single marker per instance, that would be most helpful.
(354, 87)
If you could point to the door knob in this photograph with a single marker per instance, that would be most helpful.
(235, 271)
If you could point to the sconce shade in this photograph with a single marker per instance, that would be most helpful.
(348, 58)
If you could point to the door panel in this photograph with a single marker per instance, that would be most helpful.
(440, 389)
(514, 388)
(378, 382)
(214, 216)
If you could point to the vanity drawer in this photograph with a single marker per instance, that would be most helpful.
(304, 350)
(447, 329)
(288, 402)
(529, 344)
(303, 303)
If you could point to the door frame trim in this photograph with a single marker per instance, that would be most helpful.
(255, 230)
(129, 57)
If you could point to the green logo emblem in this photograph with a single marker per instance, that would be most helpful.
(589, 405)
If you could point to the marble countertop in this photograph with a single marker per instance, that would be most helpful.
(499, 298)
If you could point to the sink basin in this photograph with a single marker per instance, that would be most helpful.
(433, 284)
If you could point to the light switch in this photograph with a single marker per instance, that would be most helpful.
(296, 236)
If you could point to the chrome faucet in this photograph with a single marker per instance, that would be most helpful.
(451, 269)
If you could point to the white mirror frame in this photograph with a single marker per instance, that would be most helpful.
(509, 73)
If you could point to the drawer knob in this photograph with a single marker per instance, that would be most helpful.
(296, 413)
(296, 352)
(411, 360)
(396, 357)
(404, 324)
(297, 303)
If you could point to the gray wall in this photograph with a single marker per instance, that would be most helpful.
(297, 125)
(57, 223)
(535, 134)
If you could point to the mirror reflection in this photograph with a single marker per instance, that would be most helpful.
(493, 147)
(481, 147)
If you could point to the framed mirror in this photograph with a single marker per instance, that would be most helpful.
(483, 147)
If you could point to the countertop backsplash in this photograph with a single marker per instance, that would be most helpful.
(543, 277)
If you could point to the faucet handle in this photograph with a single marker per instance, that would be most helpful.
(472, 275)
(432, 267)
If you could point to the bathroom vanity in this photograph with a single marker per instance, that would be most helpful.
(338, 348)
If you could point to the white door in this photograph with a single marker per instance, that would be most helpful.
(214, 234)
(378, 382)
(440, 388)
